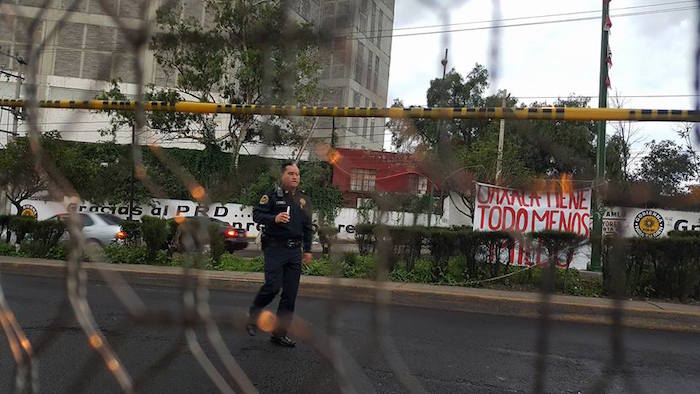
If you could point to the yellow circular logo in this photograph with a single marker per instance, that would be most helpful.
(264, 199)
(649, 223)
(302, 202)
(29, 210)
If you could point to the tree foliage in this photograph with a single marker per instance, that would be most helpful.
(459, 151)
(250, 53)
(22, 179)
(667, 167)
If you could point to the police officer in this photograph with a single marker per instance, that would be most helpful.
(286, 214)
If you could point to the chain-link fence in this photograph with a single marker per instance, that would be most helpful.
(134, 84)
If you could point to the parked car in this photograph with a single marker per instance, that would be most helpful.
(100, 229)
(234, 238)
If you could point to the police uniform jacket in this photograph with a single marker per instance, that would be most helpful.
(275, 201)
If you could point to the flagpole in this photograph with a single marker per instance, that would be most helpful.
(605, 62)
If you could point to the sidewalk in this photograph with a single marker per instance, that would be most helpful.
(639, 314)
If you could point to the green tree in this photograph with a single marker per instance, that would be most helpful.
(616, 152)
(164, 122)
(19, 176)
(467, 150)
(666, 167)
(251, 53)
(452, 91)
(685, 131)
(552, 148)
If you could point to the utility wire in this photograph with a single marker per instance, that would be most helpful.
(503, 26)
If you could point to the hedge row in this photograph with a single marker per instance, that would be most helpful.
(37, 239)
(407, 244)
(666, 267)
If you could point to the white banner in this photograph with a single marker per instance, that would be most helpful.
(648, 222)
(501, 209)
(235, 214)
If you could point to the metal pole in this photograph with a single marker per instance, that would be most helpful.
(333, 132)
(597, 236)
(501, 134)
(18, 89)
(437, 146)
(133, 171)
(18, 92)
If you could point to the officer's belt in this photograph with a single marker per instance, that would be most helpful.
(287, 243)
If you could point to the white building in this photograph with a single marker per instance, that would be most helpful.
(90, 49)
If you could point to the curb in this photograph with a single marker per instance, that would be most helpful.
(637, 314)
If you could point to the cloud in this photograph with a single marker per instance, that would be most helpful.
(652, 54)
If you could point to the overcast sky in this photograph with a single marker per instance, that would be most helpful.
(652, 54)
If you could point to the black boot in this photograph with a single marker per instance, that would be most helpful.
(282, 340)
(252, 326)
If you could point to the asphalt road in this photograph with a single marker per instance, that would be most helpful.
(443, 351)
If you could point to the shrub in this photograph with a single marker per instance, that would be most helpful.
(7, 249)
(359, 267)
(318, 267)
(40, 250)
(21, 226)
(4, 226)
(217, 246)
(666, 267)
(155, 234)
(132, 228)
(126, 254)
(230, 262)
(365, 238)
(326, 235)
(676, 233)
(45, 237)
(407, 242)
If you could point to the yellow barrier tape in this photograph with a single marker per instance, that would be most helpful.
(543, 113)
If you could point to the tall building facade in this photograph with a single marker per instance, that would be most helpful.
(91, 49)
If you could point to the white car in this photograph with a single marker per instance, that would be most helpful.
(99, 228)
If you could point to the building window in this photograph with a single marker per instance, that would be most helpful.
(373, 25)
(370, 74)
(359, 63)
(362, 180)
(418, 184)
(380, 32)
(372, 125)
(365, 121)
(376, 74)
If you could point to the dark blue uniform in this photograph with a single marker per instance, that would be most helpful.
(282, 245)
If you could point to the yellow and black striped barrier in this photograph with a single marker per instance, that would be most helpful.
(543, 113)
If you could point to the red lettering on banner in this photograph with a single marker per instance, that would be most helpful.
(489, 194)
(559, 199)
(492, 226)
(576, 199)
(514, 210)
(536, 217)
(584, 220)
(552, 220)
(502, 195)
(483, 214)
(564, 223)
(505, 226)
(582, 200)
(511, 255)
(521, 220)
